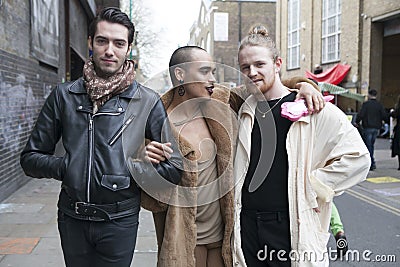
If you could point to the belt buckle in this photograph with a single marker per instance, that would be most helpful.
(77, 206)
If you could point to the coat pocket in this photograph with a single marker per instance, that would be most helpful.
(313, 239)
(313, 252)
(115, 182)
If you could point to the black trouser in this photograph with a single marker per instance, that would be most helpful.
(100, 244)
(265, 238)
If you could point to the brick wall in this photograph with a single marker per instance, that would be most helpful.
(249, 14)
(25, 82)
(361, 45)
(24, 85)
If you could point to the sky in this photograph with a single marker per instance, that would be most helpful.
(176, 17)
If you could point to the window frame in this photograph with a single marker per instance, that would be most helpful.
(293, 29)
(330, 31)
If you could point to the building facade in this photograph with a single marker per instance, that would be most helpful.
(362, 34)
(42, 43)
(220, 27)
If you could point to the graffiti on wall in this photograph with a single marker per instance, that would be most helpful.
(18, 110)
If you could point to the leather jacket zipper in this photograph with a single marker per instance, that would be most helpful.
(121, 130)
(91, 149)
(91, 137)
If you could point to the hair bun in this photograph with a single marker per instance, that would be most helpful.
(259, 29)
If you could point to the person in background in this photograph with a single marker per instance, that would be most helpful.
(317, 69)
(198, 232)
(337, 229)
(283, 203)
(99, 201)
(370, 117)
(395, 113)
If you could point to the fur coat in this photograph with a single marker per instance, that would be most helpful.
(176, 225)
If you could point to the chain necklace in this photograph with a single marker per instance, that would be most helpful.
(265, 113)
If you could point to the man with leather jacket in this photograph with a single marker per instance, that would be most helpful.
(99, 200)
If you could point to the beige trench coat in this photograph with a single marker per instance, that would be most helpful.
(326, 156)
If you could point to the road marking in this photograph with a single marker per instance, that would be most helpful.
(391, 192)
(380, 180)
(374, 202)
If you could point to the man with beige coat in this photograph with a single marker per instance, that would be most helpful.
(283, 202)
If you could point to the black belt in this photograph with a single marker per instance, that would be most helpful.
(102, 211)
(266, 215)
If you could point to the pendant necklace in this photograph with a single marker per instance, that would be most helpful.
(263, 114)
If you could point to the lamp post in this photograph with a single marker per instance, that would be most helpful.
(130, 16)
(239, 32)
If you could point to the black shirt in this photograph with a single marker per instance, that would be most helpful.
(372, 114)
(271, 168)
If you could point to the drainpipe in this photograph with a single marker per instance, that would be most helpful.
(360, 43)
(312, 36)
(240, 31)
(67, 42)
(130, 17)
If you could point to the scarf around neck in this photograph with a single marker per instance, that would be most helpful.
(100, 90)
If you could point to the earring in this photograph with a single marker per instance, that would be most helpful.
(181, 89)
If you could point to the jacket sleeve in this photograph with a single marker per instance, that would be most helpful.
(37, 158)
(239, 94)
(343, 159)
(237, 97)
(158, 129)
(291, 83)
(361, 113)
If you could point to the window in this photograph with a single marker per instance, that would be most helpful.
(202, 14)
(293, 57)
(331, 12)
(208, 43)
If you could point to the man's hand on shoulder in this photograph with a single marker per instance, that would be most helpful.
(157, 152)
(314, 99)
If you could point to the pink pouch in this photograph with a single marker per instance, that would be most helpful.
(297, 109)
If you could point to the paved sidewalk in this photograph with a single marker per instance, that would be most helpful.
(29, 234)
(28, 227)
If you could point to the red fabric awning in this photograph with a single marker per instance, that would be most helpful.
(333, 75)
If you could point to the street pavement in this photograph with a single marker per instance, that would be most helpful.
(28, 220)
(29, 235)
(370, 213)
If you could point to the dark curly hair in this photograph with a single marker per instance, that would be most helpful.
(113, 15)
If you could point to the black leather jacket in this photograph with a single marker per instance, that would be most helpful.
(94, 168)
